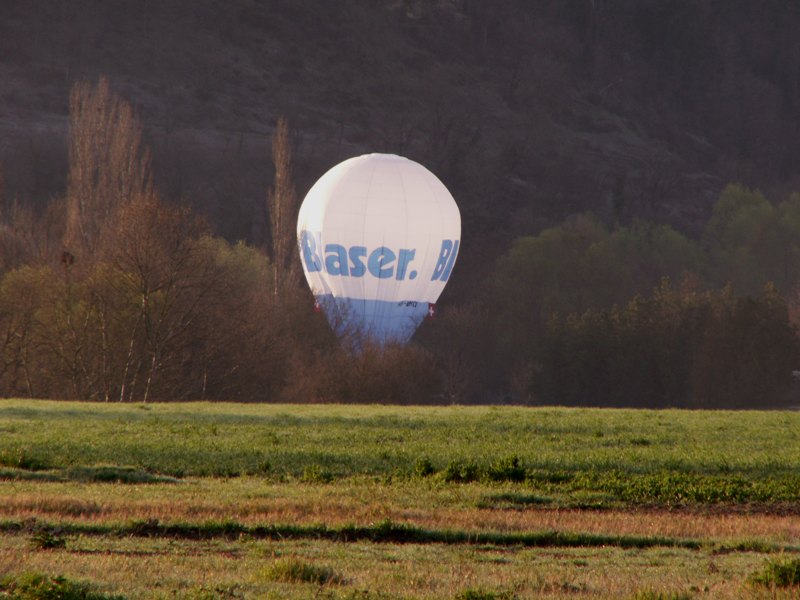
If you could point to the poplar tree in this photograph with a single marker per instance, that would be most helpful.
(282, 209)
(108, 166)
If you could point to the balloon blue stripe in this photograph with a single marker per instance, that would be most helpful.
(380, 321)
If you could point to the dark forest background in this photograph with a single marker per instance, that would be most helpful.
(625, 171)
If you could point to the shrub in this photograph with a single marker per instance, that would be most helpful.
(45, 539)
(20, 458)
(778, 574)
(457, 471)
(481, 594)
(651, 595)
(316, 474)
(36, 586)
(507, 469)
(423, 467)
(291, 570)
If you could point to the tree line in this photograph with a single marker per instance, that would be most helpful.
(112, 293)
(640, 314)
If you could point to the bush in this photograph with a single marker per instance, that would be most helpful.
(423, 467)
(507, 469)
(291, 570)
(481, 594)
(460, 472)
(316, 474)
(20, 458)
(778, 574)
(45, 539)
(651, 595)
(37, 586)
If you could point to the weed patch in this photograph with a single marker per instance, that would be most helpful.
(21, 458)
(507, 469)
(423, 467)
(36, 586)
(777, 574)
(316, 474)
(46, 539)
(481, 594)
(458, 471)
(675, 488)
(291, 570)
(652, 595)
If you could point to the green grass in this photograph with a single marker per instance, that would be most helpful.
(632, 456)
(229, 501)
(651, 595)
(778, 574)
(291, 570)
(38, 586)
(482, 594)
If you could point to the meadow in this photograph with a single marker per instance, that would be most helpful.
(211, 500)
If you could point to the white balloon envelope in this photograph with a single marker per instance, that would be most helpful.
(378, 237)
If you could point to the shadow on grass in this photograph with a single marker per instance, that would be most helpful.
(384, 532)
(86, 474)
(512, 501)
(11, 474)
(115, 474)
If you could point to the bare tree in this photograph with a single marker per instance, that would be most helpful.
(282, 208)
(169, 279)
(108, 167)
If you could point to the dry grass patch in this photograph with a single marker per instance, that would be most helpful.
(154, 567)
(291, 570)
(253, 502)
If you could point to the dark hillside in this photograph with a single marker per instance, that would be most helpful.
(529, 111)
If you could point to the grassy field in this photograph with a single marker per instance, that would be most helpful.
(275, 501)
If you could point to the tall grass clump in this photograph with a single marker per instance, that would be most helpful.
(778, 574)
(21, 458)
(37, 586)
(509, 468)
(291, 570)
(481, 594)
(423, 467)
(458, 471)
(651, 595)
(45, 539)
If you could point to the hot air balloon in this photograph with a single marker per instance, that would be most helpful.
(378, 236)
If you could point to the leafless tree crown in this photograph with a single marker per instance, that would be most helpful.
(108, 165)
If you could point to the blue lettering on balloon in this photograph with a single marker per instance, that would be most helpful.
(406, 256)
(356, 261)
(449, 268)
(446, 260)
(308, 247)
(336, 259)
(357, 255)
(379, 262)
